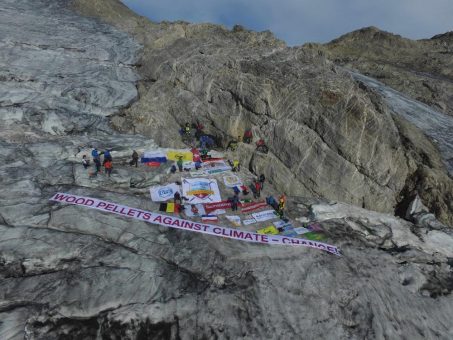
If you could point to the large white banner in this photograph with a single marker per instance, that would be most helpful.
(164, 193)
(178, 223)
(200, 190)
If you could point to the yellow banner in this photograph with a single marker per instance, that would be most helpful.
(268, 230)
(174, 155)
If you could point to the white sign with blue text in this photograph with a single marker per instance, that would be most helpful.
(164, 193)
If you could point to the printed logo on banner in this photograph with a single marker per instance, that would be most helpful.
(165, 192)
(200, 189)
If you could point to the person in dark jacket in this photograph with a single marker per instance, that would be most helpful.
(134, 159)
(272, 202)
(262, 179)
(235, 202)
(177, 197)
(97, 163)
(179, 163)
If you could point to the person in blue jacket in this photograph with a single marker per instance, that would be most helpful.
(107, 156)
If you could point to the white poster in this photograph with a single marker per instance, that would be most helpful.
(164, 193)
(249, 221)
(195, 210)
(235, 220)
(264, 215)
(215, 167)
(201, 190)
(232, 181)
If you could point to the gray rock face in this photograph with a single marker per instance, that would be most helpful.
(70, 272)
(422, 69)
(436, 125)
(81, 66)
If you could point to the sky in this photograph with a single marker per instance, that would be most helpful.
(301, 21)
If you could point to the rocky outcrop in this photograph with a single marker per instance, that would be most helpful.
(422, 69)
(70, 272)
(328, 136)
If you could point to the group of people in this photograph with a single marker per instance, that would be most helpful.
(107, 161)
(279, 206)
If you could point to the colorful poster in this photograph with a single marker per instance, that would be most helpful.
(271, 230)
(178, 223)
(264, 215)
(232, 181)
(164, 193)
(215, 167)
(174, 155)
(200, 190)
(283, 225)
(194, 210)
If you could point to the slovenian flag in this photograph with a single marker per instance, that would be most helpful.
(170, 207)
(209, 218)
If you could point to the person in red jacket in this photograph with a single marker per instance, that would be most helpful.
(248, 136)
(108, 167)
(257, 192)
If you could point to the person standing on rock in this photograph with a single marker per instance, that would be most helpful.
(236, 166)
(262, 179)
(94, 153)
(280, 210)
(282, 201)
(235, 202)
(108, 167)
(134, 159)
(179, 163)
(257, 192)
(248, 136)
(85, 162)
(177, 197)
(107, 156)
(96, 160)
